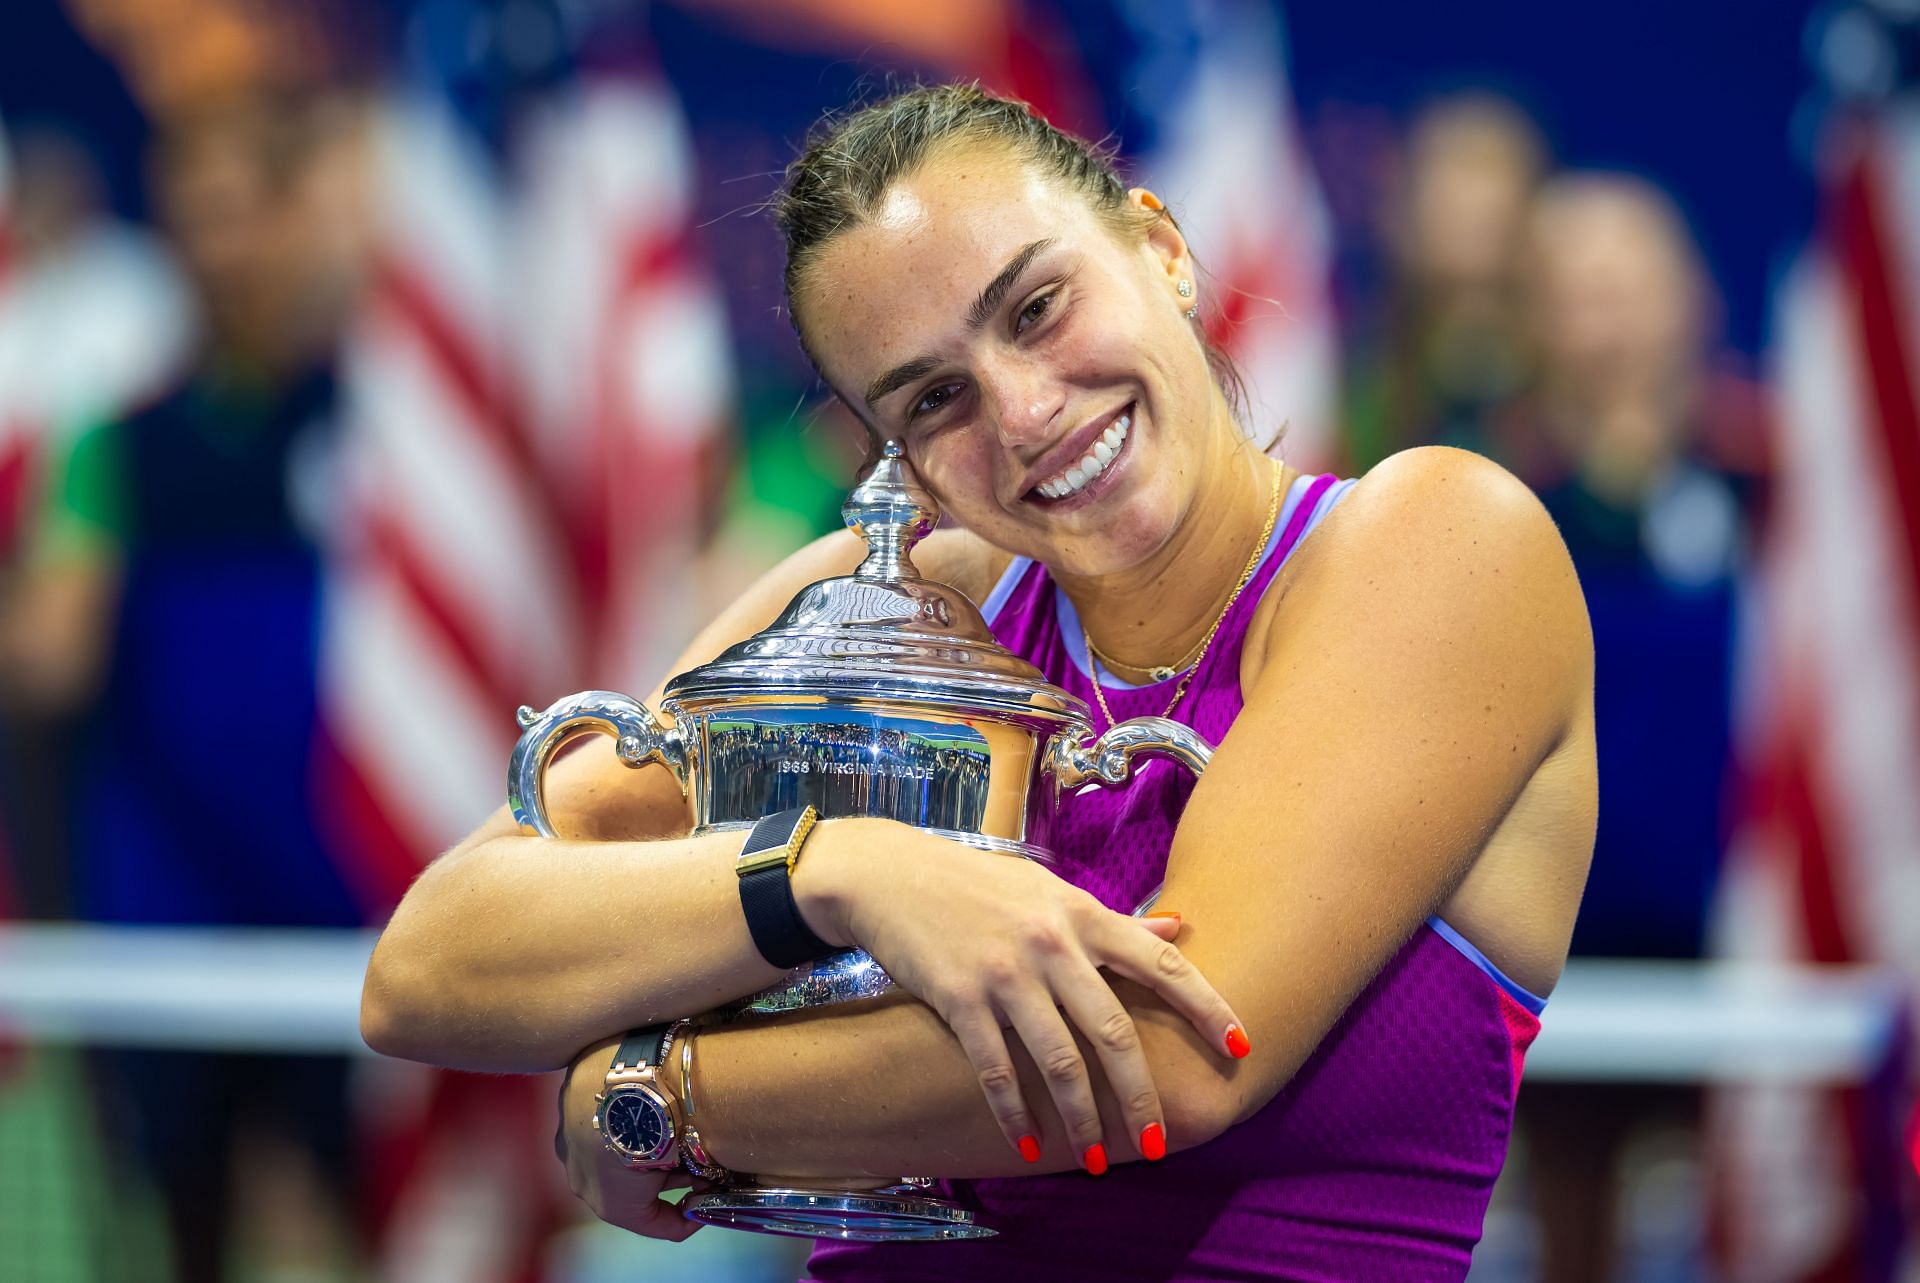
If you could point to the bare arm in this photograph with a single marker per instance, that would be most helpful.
(884, 1089)
(510, 952)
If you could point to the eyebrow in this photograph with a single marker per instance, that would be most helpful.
(977, 316)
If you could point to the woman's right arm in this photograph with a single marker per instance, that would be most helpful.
(511, 952)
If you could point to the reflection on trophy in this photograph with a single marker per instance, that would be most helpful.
(876, 694)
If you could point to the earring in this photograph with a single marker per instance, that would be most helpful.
(1186, 289)
(1193, 313)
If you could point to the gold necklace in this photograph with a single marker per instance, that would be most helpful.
(1179, 692)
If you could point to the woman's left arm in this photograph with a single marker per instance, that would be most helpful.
(1426, 660)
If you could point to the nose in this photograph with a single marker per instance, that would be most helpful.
(1026, 402)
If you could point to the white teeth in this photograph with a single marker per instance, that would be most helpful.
(1104, 450)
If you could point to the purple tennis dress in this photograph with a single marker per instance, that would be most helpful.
(1374, 1162)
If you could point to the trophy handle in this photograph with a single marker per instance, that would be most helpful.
(639, 738)
(1109, 759)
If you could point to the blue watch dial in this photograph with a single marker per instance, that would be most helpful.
(637, 1124)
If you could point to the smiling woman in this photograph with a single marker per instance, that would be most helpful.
(1316, 1052)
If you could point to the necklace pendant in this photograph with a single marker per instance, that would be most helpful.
(1162, 673)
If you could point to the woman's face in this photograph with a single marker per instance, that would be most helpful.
(987, 318)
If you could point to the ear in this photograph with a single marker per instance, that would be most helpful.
(1165, 243)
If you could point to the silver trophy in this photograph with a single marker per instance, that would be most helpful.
(877, 694)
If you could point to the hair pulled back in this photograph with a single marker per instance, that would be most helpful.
(852, 160)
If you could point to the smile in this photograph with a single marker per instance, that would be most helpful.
(1082, 474)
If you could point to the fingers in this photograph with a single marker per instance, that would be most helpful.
(1135, 949)
(631, 1200)
(979, 1034)
(1108, 1026)
(1034, 1017)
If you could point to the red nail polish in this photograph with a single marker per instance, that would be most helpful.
(1095, 1160)
(1237, 1044)
(1030, 1149)
(1153, 1142)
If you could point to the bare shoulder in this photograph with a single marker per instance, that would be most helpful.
(1447, 546)
(1450, 501)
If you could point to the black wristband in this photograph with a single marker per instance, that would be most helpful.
(641, 1047)
(766, 892)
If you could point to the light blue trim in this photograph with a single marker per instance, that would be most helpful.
(1009, 580)
(1076, 639)
(1526, 998)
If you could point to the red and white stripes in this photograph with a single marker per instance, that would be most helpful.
(1231, 163)
(1827, 868)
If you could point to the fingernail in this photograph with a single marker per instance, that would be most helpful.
(1153, 1142)
(1030, 1149)
(1095, 1160)
(1237, 1044)
(1165, 913)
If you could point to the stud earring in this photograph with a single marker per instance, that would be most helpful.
(1186, 289)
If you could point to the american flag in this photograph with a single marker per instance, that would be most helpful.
(1218, 141)
(1827, 869)
(538, 374)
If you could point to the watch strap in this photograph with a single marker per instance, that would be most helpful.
(641, 1047)
(766, 889)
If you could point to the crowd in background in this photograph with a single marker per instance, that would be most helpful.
(178, 497)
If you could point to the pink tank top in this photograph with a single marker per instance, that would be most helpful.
(1375, 1162)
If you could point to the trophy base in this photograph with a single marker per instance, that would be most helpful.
(851, 1216)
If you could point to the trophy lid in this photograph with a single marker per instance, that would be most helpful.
(883, 631)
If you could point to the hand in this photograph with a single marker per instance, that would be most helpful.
(618, 1194)
(992, 941)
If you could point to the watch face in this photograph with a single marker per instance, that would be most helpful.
(636, 1123)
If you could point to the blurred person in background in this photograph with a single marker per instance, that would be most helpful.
(190, 528)
(1450, 349)
(1634, 444)
(93, 318)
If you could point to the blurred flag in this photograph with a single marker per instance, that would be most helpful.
(1220, 146)
(626, 356)
(448, 601)
(451, 597)
(537, 378)
(1828, 866)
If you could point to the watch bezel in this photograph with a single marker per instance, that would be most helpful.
(660, 1155)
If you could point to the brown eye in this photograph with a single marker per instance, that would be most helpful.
(1034, 311)
(933, 400)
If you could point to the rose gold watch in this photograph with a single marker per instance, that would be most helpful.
(637, 1113)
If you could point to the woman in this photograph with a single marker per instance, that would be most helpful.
(1401, 692)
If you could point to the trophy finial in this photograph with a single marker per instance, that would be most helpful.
(892, 511)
